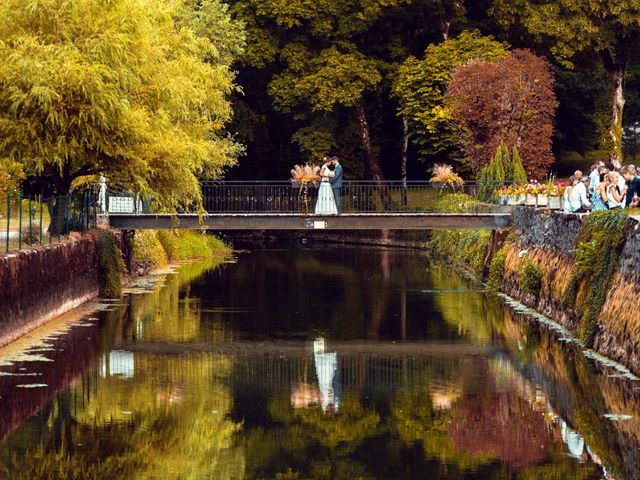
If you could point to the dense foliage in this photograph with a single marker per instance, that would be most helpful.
(143, 92)
(132, 89)
(609, 29)
(366, 80)
(509, 100)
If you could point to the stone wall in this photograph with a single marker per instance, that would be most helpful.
(548, 240)
(38, 285)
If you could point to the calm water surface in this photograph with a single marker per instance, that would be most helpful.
(341, 364)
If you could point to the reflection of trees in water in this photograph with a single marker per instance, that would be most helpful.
(166, 421)
(460, 426)
(579, 394)
(140, 417)
(172, 314)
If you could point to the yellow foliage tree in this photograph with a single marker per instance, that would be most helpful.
(132, 89)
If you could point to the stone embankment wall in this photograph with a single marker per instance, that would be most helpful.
(548, 241)
(38, 285)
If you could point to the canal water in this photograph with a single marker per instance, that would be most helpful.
(327, 364)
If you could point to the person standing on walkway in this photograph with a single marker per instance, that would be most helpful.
(615, 194)
(633, 186)
(578, 197)
(326, 203)
(599, 199)
(336, 183)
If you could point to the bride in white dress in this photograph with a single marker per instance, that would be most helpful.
(326, 204)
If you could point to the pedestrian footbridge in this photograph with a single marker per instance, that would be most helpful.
(283, 206)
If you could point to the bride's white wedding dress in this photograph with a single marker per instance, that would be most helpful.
(326, 204)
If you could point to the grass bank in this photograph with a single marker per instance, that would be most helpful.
(154, 249)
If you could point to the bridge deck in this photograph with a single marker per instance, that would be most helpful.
(299, 221)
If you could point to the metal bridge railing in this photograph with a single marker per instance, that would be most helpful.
(356, 197)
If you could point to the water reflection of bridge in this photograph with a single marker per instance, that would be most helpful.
(271, 366)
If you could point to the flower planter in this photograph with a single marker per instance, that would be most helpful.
(543, 200)
(530, 200)
(515, 199)
(555, 203)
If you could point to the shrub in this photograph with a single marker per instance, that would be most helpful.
(517, 174)
(190, 245)
(530, 277)
(465, 247)
(496, 270)
(30, 236)
(147, 251)
(169, 239)
(198, 245)
(110, 264)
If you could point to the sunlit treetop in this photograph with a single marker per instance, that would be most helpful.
(133, 89)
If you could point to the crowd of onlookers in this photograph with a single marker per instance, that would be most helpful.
(607, 187)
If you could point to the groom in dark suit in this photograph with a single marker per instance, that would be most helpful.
(336, 183)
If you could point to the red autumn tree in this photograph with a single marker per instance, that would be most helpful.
(510, 100)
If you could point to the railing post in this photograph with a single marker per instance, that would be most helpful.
(20, 221)
(30, 224)
(40, 231)
(8, 219)
(59, 214)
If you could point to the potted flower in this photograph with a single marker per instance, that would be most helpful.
(507, 194)
(305, 178)
(516, 194)
(556, 194)
(532, 190)
(443, 176)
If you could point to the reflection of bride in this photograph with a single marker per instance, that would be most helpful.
(326, 204)
(328, 390)
(328, 377)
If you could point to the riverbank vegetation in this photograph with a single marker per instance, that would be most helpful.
(153, 249)
(466, 248)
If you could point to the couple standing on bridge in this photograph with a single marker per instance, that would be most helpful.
(330, 192)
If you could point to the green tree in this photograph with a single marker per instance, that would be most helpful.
(132, 89)
(323, 68)
(608, 28)
(420, 86)
(517, 173)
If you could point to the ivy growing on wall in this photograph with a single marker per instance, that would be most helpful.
(496, 269)
(530, 277)
(599, 245)
(110, 264)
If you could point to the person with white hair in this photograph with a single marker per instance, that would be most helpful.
(578, 199)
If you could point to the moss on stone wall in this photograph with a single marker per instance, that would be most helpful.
(110, 264)
(600, 243)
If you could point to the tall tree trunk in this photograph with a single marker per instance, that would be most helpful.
(403, 164)
(372, 159)
(616, 74)
(445, 26)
